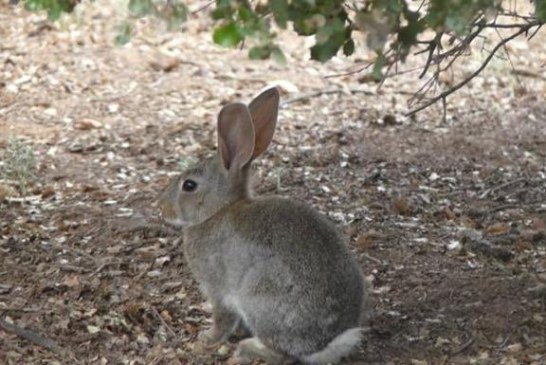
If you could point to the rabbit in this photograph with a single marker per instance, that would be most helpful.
(270, 265)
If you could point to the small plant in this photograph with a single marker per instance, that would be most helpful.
(18, 163)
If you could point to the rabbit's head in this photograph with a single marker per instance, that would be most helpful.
(244, 132)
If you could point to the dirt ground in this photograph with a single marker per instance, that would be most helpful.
(447, 216)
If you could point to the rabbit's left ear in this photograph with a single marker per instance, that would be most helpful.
(235, 136)
(264, 110)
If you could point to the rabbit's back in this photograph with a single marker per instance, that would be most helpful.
(284, 268)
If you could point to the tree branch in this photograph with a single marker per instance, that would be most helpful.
(465, 81)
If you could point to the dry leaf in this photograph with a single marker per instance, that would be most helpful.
(87, 124)
(538, 224)
(401, 206)
(149, 251)
(47, 192)
(469, 222)
(365, 241)
(223, 350)
(517, 347)
(522, 245)
(166, 316)
(418, 362)
(134, 311)
(72, 281)
(93, 329)
(190, 328)
(164, 63)
(6, 191)
(497, 229)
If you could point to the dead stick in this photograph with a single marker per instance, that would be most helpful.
(502, 186)
(162, 320)
(371, 258)
(463, 347)
(28, 335)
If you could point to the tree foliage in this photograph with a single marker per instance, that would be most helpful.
(393, 28)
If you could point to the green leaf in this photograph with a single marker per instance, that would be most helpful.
(259, 52)
(246, 15)
(54, 13)
(280, 12)
(55, 8)
(304, 26)
(329, 39)
(176, 15)
(457, 23)
(34, 5)
(278, 56)
(227, 35)
(349, 47)
(540, 10)
(223, 10)
(407, 35)
(140, 8)
(378, 66)
(323, 52)
(125, 31)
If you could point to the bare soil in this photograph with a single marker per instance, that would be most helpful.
(446, 215)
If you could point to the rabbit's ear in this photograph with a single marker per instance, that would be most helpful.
(235, 136)
(264, 109)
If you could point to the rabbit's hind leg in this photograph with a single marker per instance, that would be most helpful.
(252, 349)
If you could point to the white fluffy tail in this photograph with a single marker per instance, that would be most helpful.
(340, 346)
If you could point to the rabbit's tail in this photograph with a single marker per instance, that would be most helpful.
(340, 346)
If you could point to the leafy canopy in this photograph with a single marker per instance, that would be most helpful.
(331, 21)
(393, 28)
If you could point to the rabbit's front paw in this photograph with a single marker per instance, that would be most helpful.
(253, 349)
(210, 337)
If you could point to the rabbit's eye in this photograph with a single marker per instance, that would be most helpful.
(189, 185)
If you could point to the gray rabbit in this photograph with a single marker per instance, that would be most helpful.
(270, 265)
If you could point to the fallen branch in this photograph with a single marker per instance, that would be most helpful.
(31, 336)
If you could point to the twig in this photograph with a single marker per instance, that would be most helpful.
(510, 60)
(163, 322)
(348, 73)
(515, 206)
(502, 207)
(433, 44)
(371, 258)
(201, 8)
(473, 74)
(115, 97)
(502, 186)
(466, 345)
(324, 92)
(18, 309)
(73, 268)
(527, 73)
(75, 251)
(28, 335)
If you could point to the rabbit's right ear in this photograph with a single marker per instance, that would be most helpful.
(264, 110)
(235, 136)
